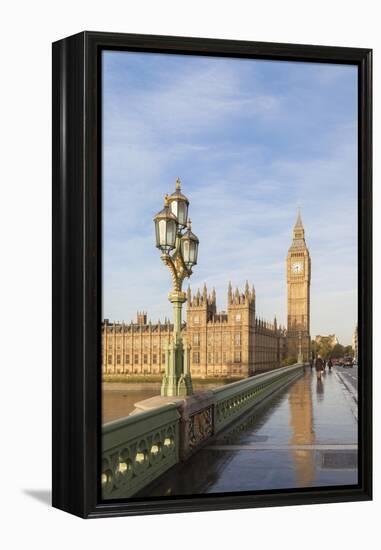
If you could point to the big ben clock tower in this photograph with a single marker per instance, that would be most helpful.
(298, 295)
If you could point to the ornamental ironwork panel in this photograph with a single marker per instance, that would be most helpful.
(200, 427)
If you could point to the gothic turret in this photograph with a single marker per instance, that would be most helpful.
(206, 305)
(247, 292)
(213, 296)
(230, 293)
(204, 293)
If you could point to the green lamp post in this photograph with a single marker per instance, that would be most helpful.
(179, 248)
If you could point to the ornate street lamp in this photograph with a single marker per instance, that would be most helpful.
(173, 234)
(166, 228)
(189, 247)
(179, 205)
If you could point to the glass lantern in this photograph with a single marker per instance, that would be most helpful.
(179, 205)
(189, 247)
(165, 228)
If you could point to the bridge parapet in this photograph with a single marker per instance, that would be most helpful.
(138, 449)
(233, 400)
(163, 431)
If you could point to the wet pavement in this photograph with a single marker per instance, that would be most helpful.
(350, 375)
(304, 436)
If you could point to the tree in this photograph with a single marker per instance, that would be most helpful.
(338, 351)
(348, 350)
(325, 348)
(314, 348)
(290, 360)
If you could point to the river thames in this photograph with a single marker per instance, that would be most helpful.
(119, 398)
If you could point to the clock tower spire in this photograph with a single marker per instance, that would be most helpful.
(298, 294)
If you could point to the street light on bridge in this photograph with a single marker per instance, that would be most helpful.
(179, 249)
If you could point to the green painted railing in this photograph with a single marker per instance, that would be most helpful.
(138, 449)
(233, 400)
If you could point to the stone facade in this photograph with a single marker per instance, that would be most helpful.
(331, 339)
(229, 344)
(355, 344)
(134, 348)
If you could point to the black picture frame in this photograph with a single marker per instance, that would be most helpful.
(77, 258)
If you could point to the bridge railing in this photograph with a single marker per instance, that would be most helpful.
(139, 448)
(233, 400)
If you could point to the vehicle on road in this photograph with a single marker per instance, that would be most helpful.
(348, 361)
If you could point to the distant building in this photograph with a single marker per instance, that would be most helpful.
(235, 343)
(331, 340)
(355, 344)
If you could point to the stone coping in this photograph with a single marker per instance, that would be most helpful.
(188, 405)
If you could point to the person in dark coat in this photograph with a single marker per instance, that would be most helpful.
(329, 364)
(319, 366)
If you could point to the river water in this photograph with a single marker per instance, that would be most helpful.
(119, 398)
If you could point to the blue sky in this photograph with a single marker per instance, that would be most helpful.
(251, 141)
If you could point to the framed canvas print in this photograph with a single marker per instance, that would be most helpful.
(211, 274)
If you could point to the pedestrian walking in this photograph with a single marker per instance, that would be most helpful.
(329, 364)
(319, 366)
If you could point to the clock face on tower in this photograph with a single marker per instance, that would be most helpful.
(297, 267)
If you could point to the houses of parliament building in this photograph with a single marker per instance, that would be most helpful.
(232, 343)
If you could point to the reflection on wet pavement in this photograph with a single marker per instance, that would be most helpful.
(305, 436)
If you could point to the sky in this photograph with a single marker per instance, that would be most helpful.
(251, 140)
